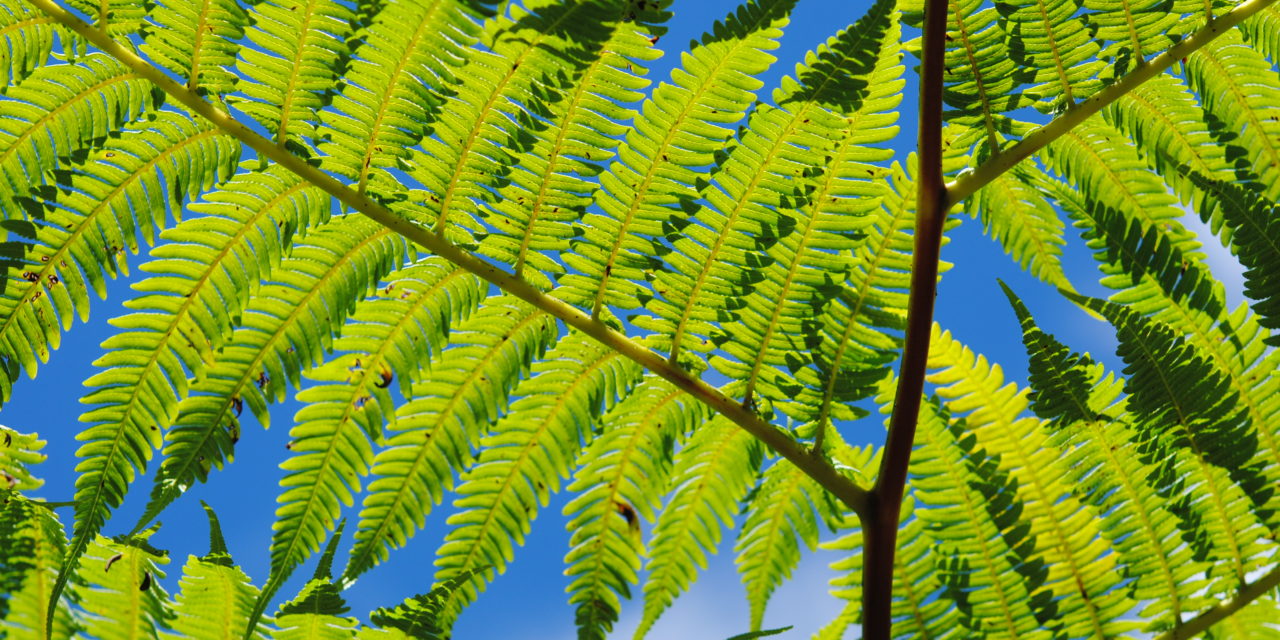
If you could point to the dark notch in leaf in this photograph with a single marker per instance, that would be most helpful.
(1058, 377)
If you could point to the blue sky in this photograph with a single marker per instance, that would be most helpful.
(529, 601)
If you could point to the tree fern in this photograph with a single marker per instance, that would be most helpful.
(684, 298)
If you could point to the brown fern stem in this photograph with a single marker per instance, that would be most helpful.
(880, 520)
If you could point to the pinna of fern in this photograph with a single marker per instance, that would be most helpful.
(521, 230)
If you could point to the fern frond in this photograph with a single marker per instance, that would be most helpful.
(315, 613)
(796, 275)
(780, 516)
(1241, 90)
(1055, 48)
(18, 451)
(1253, 221)
(287, 328)
(61, 109)
(1165, 122)
(295, 53)
(1263, 31)
(102, 204)
(1134, 31)
(27, 35)
(1078, 561)
(418, 617)
(1191, 426)
(716, 468)
(859, 328)
(1100, 451)
(713, 263)
(552, 182)
(983, 78)
(498, 93)
(117, 18)
(34, 545)
(123, 596)
(621, 480)
(215, 597)
(247, 227)
(680, 128)
(197, 41)
(1023, 221)
(434, 434)
(921, 609)
(408, 57)
(1257, 621)
(972, 509)
(525, 456)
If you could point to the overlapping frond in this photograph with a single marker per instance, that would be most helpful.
(1240, 90)
(34, 545)
(1086, 598)
(679, 130)
(316, 612)
(987, 559)
(1084, 409)
(542, 48)
(215, 595)
(407, 58)
(754, 184)
(58, 110)
(122, 595)
(197, 41)
(19, 451)
(1024, 222)
(296, 51)
(434, 434)
(1191, 427)
(1054, 50)
(619, 485)
(527, 454)
(102, 203)
(714, 470)
(796, 274)
(553, 180)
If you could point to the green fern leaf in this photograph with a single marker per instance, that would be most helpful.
(919, 603)
(1134, 31)
(1189, 423)
(18, 452)
(623, 474)
(1078, 562)
(197, 41)
(1241, 90)
(525, 456)
(408, 56)
(795, 274)
(983, 78)
(127, 600)
(34, 545)
(552, 182)
(712, 264)
(323, 277)
(102, 205)
(435, 432)
(295, 52)
(716, 468)
(1057, 51)
(780, 515)
(1254, 222)
(248, 226)
(859, 329)
(1023, 221)
(28, 35)
(972, 509)
(418, 617)
(215, 596)
(119, 18)
(61, 109)
(1263, 31)
(680, 128)
(497, 94)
